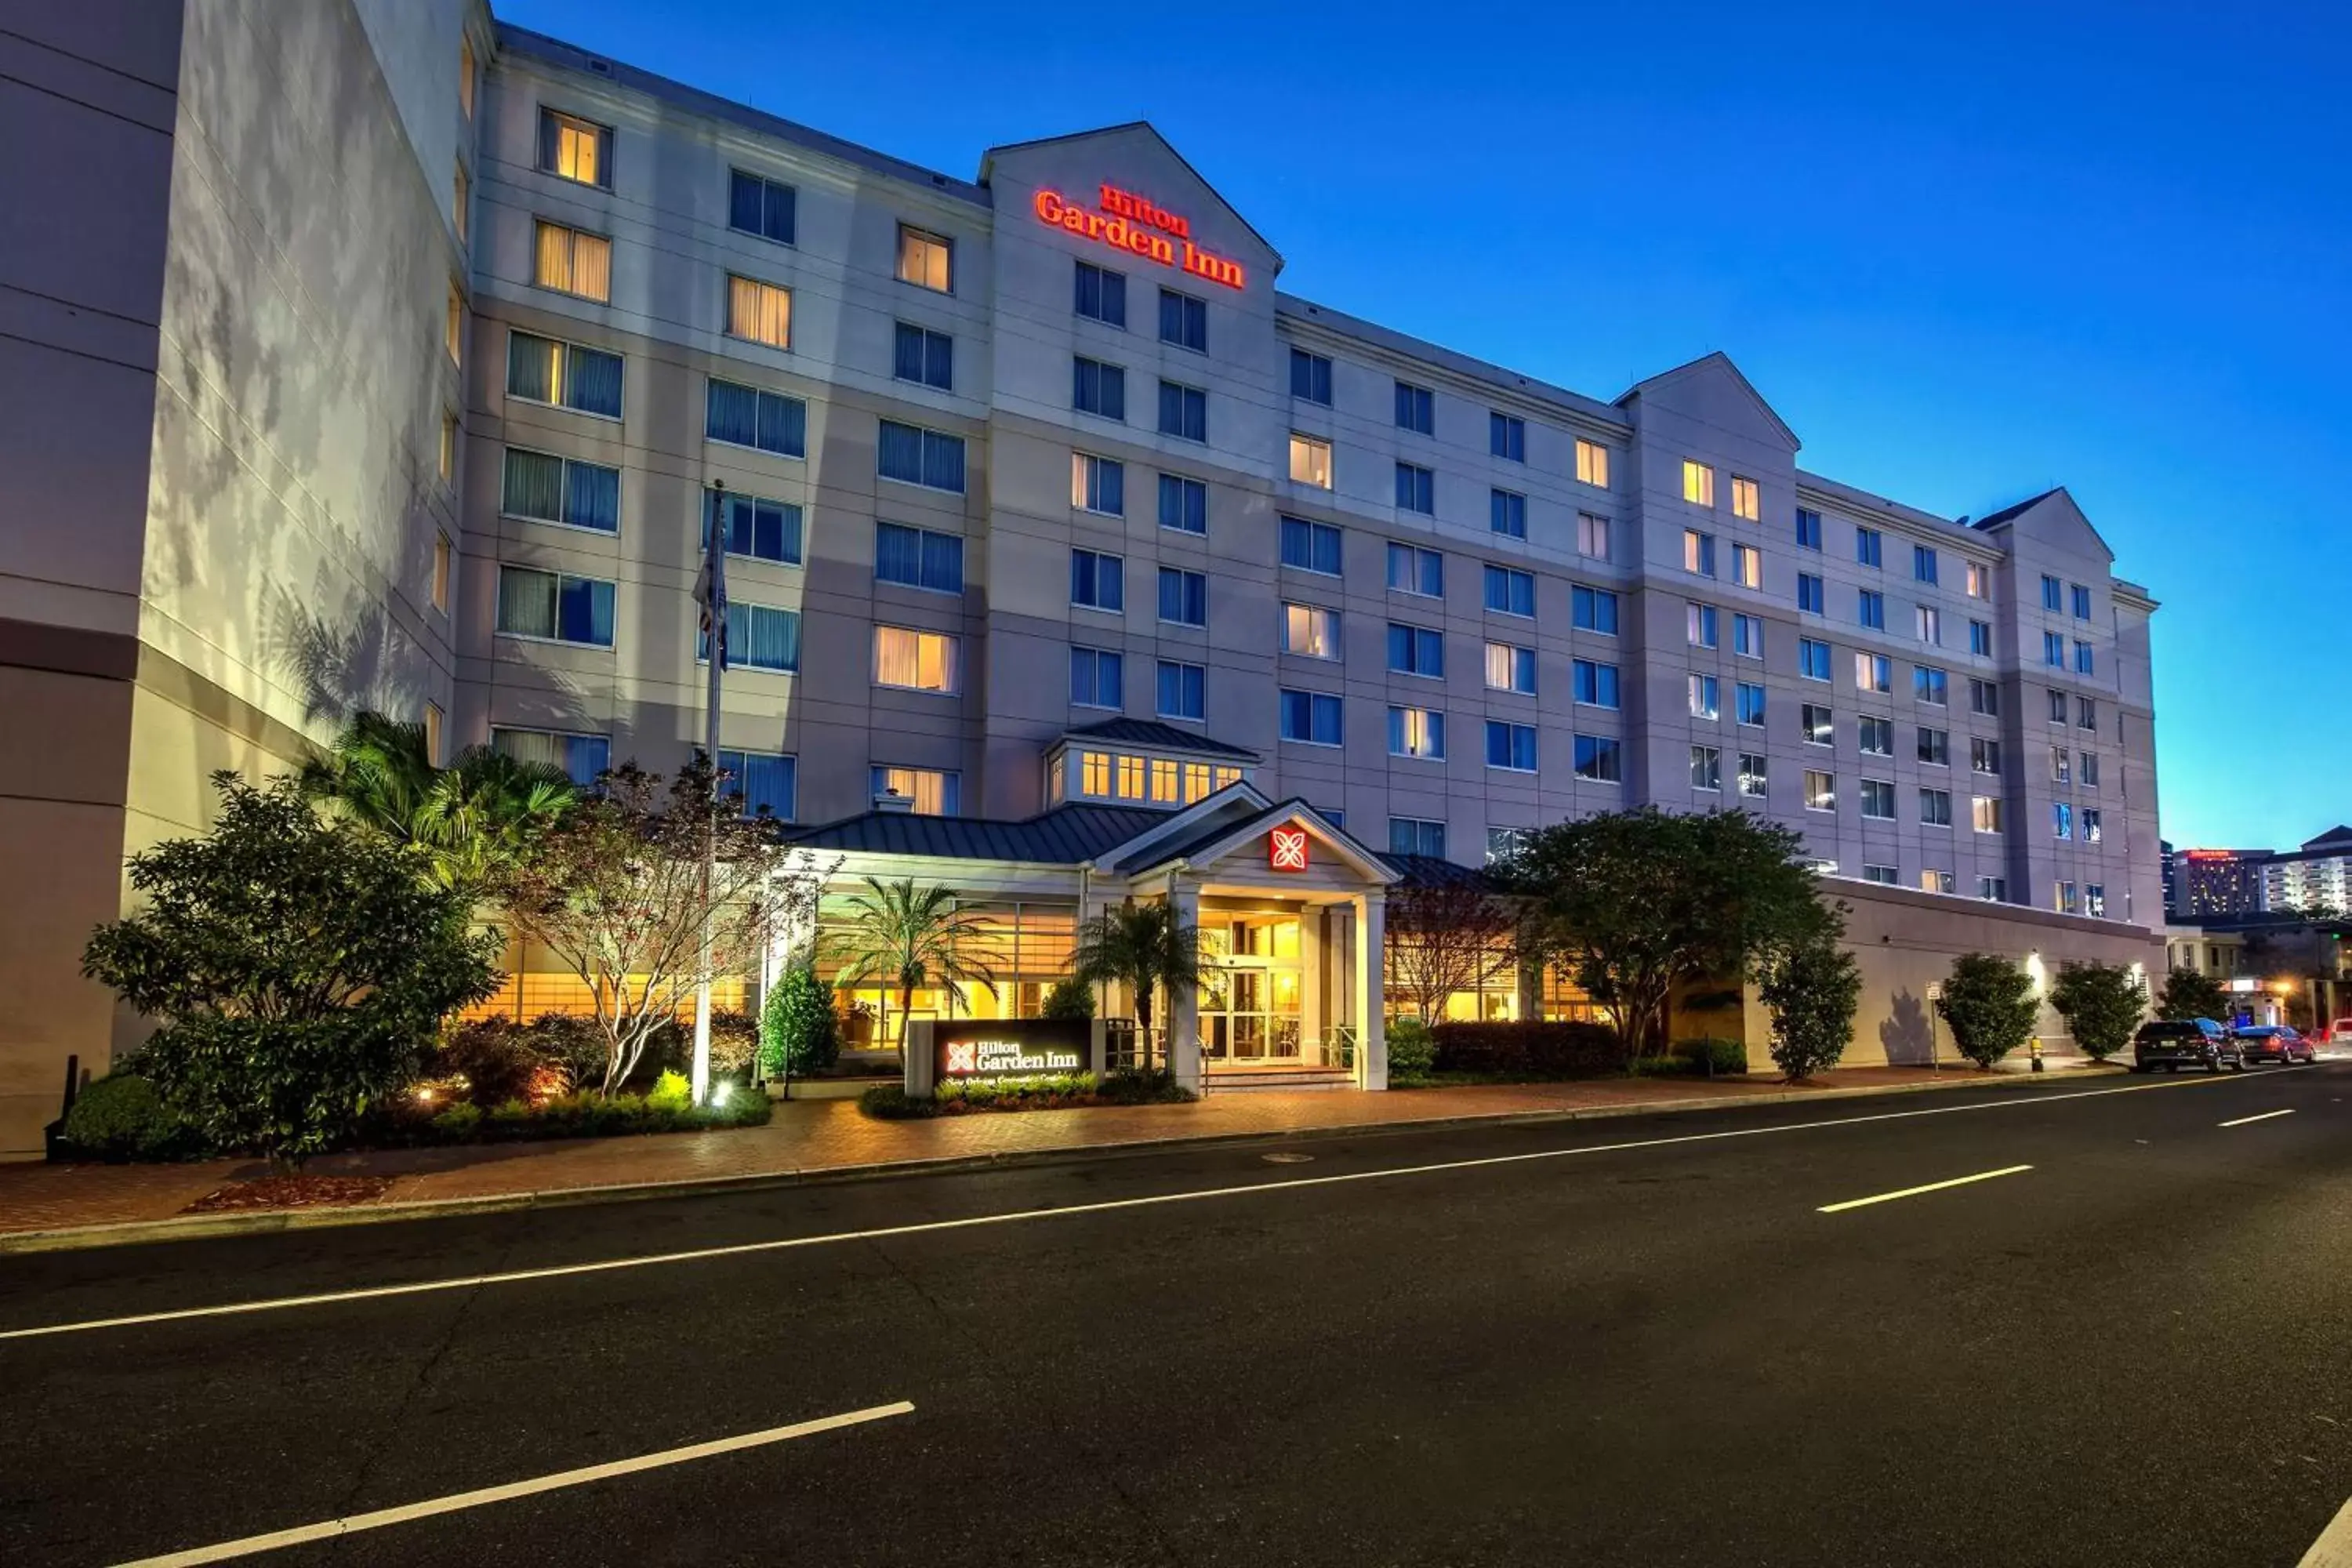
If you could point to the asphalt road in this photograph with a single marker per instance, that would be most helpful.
(1633, 1342)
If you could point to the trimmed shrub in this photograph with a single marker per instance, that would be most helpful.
(1412, 1051)
(1131, 1087)
(1068, 999)
(1811, 989)
(1712, 1056)
(498, 1059)
(1990, 1003)
(892, 1102)
(125, 1117)
(672, 1092)
(1535, 1049)
(797, 1026)
(1049, 1092)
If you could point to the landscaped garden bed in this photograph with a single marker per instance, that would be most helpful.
(1055, 1092)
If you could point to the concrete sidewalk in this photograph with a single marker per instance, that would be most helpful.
(46, 1207)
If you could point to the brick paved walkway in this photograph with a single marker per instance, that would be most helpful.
(820, 1136)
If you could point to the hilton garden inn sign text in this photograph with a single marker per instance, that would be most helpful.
(1125, 221)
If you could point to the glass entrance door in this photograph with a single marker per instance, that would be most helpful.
(1250, 989)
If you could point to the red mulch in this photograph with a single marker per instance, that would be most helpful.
(291, 1192)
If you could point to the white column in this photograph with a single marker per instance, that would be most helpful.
(1311, 981)
(1372, 1005)
(1184, 1001)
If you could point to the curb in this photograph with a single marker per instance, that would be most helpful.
(205, 1228)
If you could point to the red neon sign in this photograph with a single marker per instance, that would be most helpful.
(1140, 227)
(1286, 849)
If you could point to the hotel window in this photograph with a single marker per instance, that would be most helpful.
(1869, 546)
(1748, 636)
(2082, 600)
(746, 417)
(1936, 809)
(1310, 631)
(1980, 638)
(1165, 773)
(927, 260)
(539, 370)
(1812, 598)
(1698, 553)
(1820, 791)
(554, 606)
(1748, 703)
(465, 78)
(1592, 536)
(1183, 411)
(1707, 767)
(1980, 580)
(2052, 590)
(1507, 513)
(1094, 773)
(2082, 660)
(914, 455)
(920, 354)
(1510, 592)
(1101, 295)
(446, 466)
(1310, 546)
(1816, 725)
(1698, 483)
(1808, 529)
(1506, 438)
(2095, 900)
(1183, 504)
(1938, 882)
(915, 660)
(432, 734)
(1502, 843)
(1600, 758)
(1933, 686)
(2087, 713)
(1872, 672)
(1183, 597)
(581, 757)
(1591, 464)
(931, 791)
(2057, 707)
(1310, 377)
(1596, 684)
(758, 637)
(441, 562)
(918, 558)
(1870, 608)
(2094, 830)
(1415, 836)
(1923, 564)
(2063, 898)
(761, 530)
(1416, 651)
(1705, 697)
(1592, 610)
(1184, 320)
(1097, 484)
(1310, 461)
(1993, 890)
(1415, 408)
(1510, 668)
(759, 312)
(1183, 690)
(551, 490)
(2062, 766)
(1312, 718)
(453, 327)
(2088, 770)
(761, 206)
(1755, 774)
(1746, 566)
(1416, 570)
(1416, 488)
(1874, 737)
(1984, 698)
(1928, 622)
(1934, 747)
(1097, 582)
(1812, 659)
(1984, 813)
(1884, 876)
(577, 150)
(2054, 650)
(767, 785)
(1745, 503)
(1878, 799)
(1417, 732)
(1700, 626)
(461, 200)
(1984, 755)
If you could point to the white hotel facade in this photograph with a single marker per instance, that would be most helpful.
(413, 383)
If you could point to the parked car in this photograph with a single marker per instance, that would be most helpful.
(2273, 1043)
(2340, 1032)
(2172, 1044)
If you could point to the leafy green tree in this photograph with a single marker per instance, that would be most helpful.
(1635, 903)
(1068, 999)
(299, 969)
(2102, 1004)
(2191, 993)
(1811, 988)
(798, 1031)
(465, 823)
(904, 935)
(1145, 947)
(1990, 1003)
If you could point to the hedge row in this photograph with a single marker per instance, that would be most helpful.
(1552, 1049)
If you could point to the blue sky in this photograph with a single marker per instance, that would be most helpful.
(1966, 254)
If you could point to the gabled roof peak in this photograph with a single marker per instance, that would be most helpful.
(1719, 362)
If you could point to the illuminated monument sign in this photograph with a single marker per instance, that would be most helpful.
(1125, 221)
(1023, 1048)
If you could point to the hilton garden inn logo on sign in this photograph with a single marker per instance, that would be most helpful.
(1013, 1048)
(1286, 849)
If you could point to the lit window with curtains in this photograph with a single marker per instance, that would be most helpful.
(1747, 500)
(1417, 732)
(759, 312)
(1310, 631)
(1097, 484)
(1310, 461)
(554, 606)
(573, 149)
(572, 262)
(552, 489)
(758, 637)
(914, 660)
(1591, 464)
(768, 784)
(930, 791)
(926, 259)
(1510, 668)
(1698, 483)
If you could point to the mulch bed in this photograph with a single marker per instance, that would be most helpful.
(291, 1192)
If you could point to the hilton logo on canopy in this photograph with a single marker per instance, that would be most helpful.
(1127, 222)
(1286, 849)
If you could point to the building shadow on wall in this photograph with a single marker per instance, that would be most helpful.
(1906, 1033)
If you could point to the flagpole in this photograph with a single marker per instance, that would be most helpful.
(714, 567)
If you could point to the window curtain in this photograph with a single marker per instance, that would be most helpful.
(770, 638)
(592, 497)
(593, 382)
(534, 485)
(527, 602)
(783, 424)
(898, 555)
(731, 413)
(942, 562)
(585, 611)
(942, 461)
(532, 367)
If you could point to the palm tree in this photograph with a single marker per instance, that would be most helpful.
(465, 822)
(903, 935)
(1145, 946)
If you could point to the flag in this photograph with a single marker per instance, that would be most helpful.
(710, 584)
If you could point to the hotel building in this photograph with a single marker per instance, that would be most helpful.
(372, 353)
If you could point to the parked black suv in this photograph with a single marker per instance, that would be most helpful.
(2173, 1044)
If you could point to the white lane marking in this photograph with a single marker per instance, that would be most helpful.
(1915, 1192)
(2265, 1116)
(786, 1243)
(2333, 1547)
(334, 1528)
